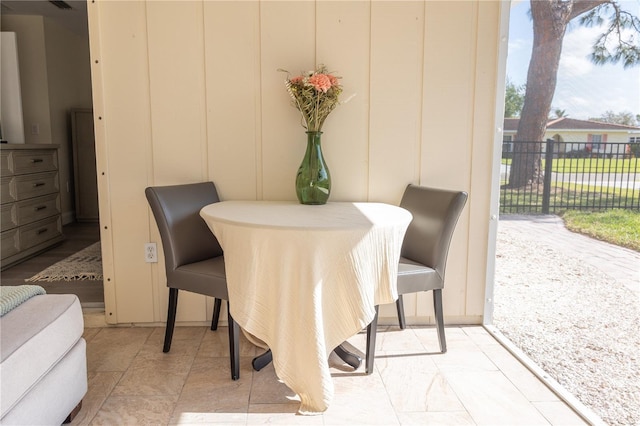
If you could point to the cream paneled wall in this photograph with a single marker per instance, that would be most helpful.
(186, 91)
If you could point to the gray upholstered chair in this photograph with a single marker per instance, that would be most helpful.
(193, 257)
(424, 252)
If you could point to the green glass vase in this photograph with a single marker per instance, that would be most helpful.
(313, 181)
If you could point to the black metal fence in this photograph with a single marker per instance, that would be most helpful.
(570, 175)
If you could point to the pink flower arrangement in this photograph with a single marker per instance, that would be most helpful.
(321, 82)
(315, 94)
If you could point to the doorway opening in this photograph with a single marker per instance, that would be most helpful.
(56, 104)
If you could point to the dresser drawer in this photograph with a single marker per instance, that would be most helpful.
(38, 208)
(33, 161)
(30, 210)
(35, 185)
(4, 163)
(10, 244)
(39, 232)
(7, 189)
(8, 216)
(16, 188)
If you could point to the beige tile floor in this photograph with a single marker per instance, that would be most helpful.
(477, 382)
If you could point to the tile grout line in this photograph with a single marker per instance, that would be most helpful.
(578, 407)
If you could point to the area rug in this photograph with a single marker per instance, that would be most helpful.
(83, 265)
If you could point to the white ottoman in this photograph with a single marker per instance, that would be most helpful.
(43, 366)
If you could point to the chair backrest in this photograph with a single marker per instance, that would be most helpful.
(435, 214)
(185, 235)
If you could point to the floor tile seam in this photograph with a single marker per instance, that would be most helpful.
(106, 396)
(107, 371)
(125, 371)
(424, 346)
(386, 391)
(539, 410)
(531, 376)
(165, 356)
(144, 394)
(84, 411)
(432, 411)
(490, 359)
(462, 403)
(184, 383)
(508, 375)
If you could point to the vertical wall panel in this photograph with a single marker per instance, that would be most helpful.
(287, 36)
(448, 94)
(232, 52)
(397, 45)
(343, 39)
(449, 79)
(176, 73)
(178, 115)
(396, 104)
(127, 140)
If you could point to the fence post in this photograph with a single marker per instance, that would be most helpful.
(548, 164)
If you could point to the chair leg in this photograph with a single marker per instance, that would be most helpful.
(400, 308)
(234, 345)
(371, 343)
(437, 307)
(216, 313)
(171, 318)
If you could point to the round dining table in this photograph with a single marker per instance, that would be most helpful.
(302, 279)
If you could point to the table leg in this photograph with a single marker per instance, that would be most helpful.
(262, 361)
(348, 357)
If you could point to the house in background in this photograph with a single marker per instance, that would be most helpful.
(576, 135)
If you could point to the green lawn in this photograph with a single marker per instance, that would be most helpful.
(594, 165)
(566, 196)
(590, 165)
(613, 223)
(619, 227)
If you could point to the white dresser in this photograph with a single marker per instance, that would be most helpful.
(30, 201)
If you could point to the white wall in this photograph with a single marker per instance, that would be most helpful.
(33, 74)
(187, 91)
(11, 107)
(69, 76)
(55, 75)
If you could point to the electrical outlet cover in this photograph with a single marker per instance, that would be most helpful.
(150, 253)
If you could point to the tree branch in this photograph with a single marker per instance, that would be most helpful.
(582, 6)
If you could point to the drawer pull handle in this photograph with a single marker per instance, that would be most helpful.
(41, 231)
(37, 160)
(39, 208)
(37, 184)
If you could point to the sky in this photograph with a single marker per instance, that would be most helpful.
(583, 90)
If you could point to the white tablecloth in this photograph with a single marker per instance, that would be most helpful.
(303, 279)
